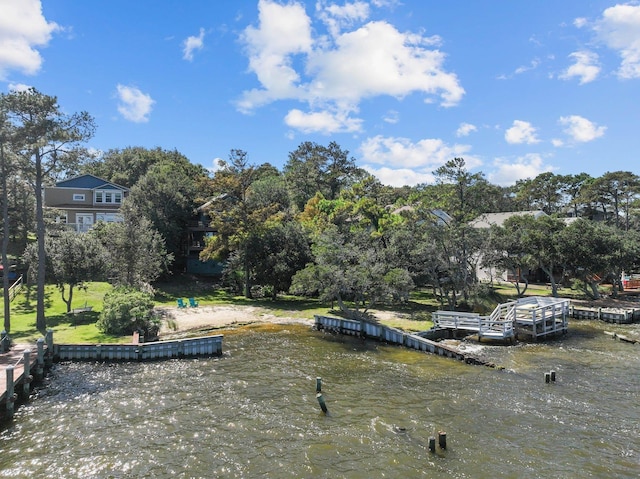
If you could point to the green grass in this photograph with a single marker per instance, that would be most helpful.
(80, 328)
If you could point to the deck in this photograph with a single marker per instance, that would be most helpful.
(533, 317)
(15, 357)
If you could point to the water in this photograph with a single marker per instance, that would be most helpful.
(253, 412)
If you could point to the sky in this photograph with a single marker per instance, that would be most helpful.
(515, 87)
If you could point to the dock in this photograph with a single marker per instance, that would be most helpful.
(526, 318)
(20, 365)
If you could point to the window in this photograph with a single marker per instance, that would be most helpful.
(108, 197)
(78, 197)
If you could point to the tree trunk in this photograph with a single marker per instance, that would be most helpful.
(5, 243)
(41, 323)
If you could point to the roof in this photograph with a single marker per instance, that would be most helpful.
(89, 182)
(487, 220)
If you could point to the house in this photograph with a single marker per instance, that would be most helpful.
(84, 200)
(487, 220)
(198, 230)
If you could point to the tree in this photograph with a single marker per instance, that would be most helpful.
(137, 252)
(241, 210)
(595, 252)
(48, 141)
(351, 267)
(544, 192)
(72, 259)
(314, 168)
(508, 250)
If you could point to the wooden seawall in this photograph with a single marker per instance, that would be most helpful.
(393, 336)
(179, 348)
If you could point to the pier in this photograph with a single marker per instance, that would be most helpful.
(526, 318)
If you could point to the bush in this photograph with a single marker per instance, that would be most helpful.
(127, 310)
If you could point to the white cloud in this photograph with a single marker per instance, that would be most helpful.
(392, 117)
(18, 87)
(585, 67)
(580, 129)
(23, 28)
(521, 132)
(399, 161)
(535, 63)
(619, 29)
(322, 122)
(399, 177)
(506, 173)
(336, 73)
(465, 128)
(191, 44)
(337, 17)
(134, 105)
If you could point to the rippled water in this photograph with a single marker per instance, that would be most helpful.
(253, 412)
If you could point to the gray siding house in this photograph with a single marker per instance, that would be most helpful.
(85, 200)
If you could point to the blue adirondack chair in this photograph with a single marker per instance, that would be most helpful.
(181, 303)
(193, 303)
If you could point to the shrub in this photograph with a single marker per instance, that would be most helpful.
(127, 310)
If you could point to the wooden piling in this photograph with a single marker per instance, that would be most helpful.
(26, 377)
(547, 377)
(10, 392)
(323, 405)
(432, 444)
(40, 359)
(49, 341)
(442, 439)
(318, 384)
(553, 376)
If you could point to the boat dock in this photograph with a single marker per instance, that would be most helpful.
(531, 318)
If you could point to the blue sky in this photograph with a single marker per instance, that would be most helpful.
(514, 87)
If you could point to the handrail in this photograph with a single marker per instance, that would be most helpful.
(15, 288)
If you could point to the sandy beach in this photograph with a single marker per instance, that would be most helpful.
(181, 320)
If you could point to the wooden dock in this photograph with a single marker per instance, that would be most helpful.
(18, 367)
(533, 318)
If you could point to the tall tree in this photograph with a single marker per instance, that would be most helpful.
(314, 168)
(239, 211)
(137, 252)
(48, 140)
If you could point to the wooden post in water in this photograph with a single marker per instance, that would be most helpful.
(26, 381)
(49, 340)
(323, 406)
(432, 444)
(40, 359)
(10, 391)
(442, 439)
(318, 384)
(547, 378)
(553, 376)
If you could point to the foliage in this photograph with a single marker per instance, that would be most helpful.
(72, 259)
(137, 253)
(127, 310)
